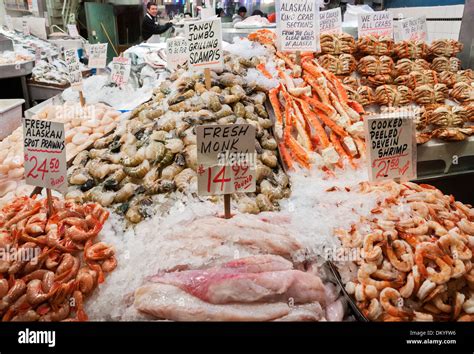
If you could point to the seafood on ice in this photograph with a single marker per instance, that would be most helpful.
(316, 123)
(55, 260)
(255, 288)
(9, 58)
(83, 125)
(416, 256)
(155, 152)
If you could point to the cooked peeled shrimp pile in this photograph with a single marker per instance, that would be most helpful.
(416, 256)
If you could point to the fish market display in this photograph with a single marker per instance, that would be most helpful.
(11, 167)
(416, 256)
(257, 288)
(8, 57)
(55, 260)
(410, 73)
(100, 89)
(316, 122)
(28, 44)
(155, 151)
(82, 125)
(55, 73)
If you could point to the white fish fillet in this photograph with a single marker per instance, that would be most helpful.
(169, 302)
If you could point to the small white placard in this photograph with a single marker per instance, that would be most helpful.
(378, 23)
(176, 52)
(413, 29)
(391, 146)
(45, 154)
(330, 21)
(298, 25)
(98, 55)
(204, 44)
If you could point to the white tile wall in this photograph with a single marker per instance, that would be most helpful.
(436, 29)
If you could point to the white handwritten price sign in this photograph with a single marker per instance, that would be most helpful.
(204, 44)
(330, 21)
(391, 146)
(75, 74)
(72, 29)
(26, 28)
(378, 23)
(298, 25)
(120, 70)
(37, 53)
(98, 55)
(413, 29)
(226, 159)
(176, 52)
(45, 154)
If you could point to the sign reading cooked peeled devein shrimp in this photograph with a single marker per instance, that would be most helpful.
(377, 23)
(330, 21)
(204, 44)
(298, 25)
(176, 52)
(226, 159)
(391, 146)
(413, 29)
(45, 154)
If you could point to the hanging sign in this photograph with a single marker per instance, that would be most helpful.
(298, 25)
(226, 158)
(45, 154)
(330, 21)
(391, 146)
(413, 29)
(378, 23)
(204, 44)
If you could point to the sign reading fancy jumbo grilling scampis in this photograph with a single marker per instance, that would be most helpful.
(204, 44)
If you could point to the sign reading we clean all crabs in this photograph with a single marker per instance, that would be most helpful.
(298, 25)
